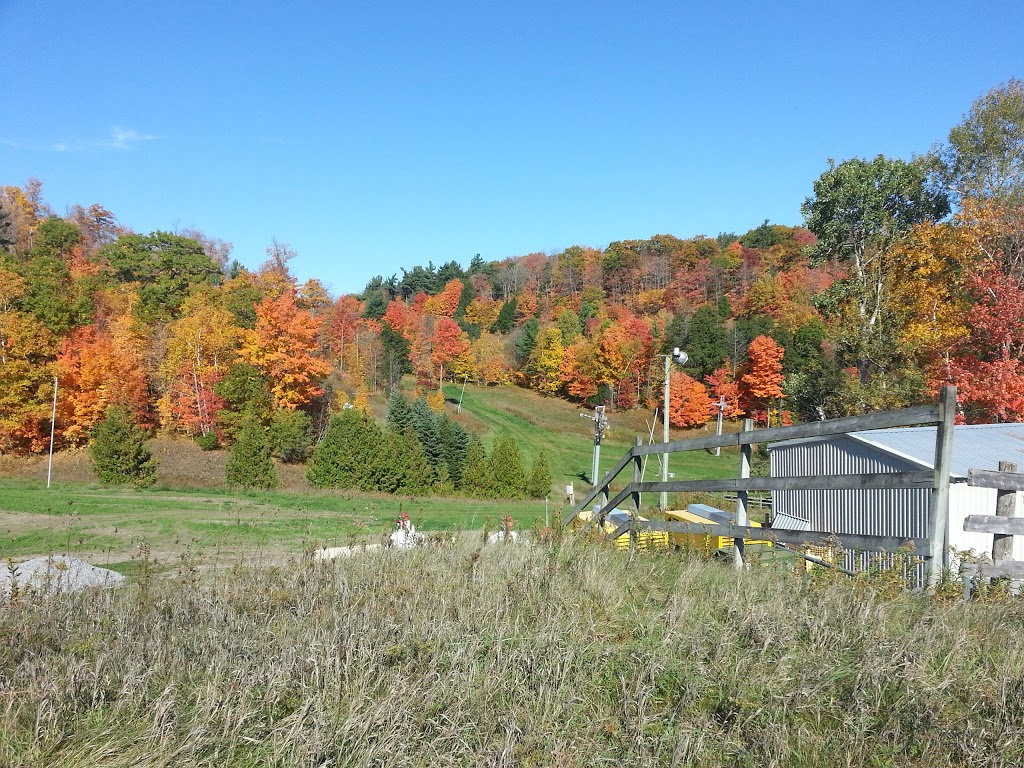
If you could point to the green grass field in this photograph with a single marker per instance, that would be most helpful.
(538, 422)
(109, 525)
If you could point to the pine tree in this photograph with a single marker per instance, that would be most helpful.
(454, 441)
(350, 455)
(119, 452)
(408, 470)
(506, 469)
(249, 464)
(527, 340)
(539, 484)
(399, 412)
(425, 426)
(476, 478)
(506, 317)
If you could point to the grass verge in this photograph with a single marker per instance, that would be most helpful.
(550, 655)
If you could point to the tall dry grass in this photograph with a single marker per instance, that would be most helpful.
(555, 655)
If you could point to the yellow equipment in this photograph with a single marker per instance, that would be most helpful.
(615, 518)
(705, 543)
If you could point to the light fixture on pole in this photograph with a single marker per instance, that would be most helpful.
(680, 358)
(600, 427)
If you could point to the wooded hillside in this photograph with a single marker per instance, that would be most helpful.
(904, 275)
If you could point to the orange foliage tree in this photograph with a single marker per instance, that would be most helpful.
(98, 369)
(689, 404)
(281, 348)
(761, 382)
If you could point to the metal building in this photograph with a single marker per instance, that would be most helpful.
(900, 512)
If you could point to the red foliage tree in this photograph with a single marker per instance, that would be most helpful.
(761, 382)
(689, 404)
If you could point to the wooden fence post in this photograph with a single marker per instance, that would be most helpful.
(938, 533)
(638, 469)
(741, 495)
(1006, 506)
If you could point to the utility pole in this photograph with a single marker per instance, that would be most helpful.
(600, 427)
(680, 357)
(664, 418)
(721, 410)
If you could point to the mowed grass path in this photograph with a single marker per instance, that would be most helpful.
(538, 422)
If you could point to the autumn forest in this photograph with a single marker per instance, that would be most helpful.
(904, 275)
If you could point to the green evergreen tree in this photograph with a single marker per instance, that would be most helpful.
(707, 341)
(399, 412)
(539, 483)
(476, 478)
(289, 435)
(376, 305)
(394, 360)
(350, 455)
(506, 320)
(527, 340)
(118, 450)
(455, 441)
(425, 426)
(406, 467)
(247, 394)
(506, 469)
(249, 464)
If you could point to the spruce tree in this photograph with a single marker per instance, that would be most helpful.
(506, 320)
(119, 452)
(425, 426)
(399, 412)
(249, 464)
(506, 469)
(526, 340)
(454, 441)
(539, 484)
(476, 478)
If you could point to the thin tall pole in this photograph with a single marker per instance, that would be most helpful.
(664, 420)
(721, 410)
(53, 421)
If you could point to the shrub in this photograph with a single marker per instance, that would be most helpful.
(539, 484)
(119, 452)
(289, 435)
(249, 464)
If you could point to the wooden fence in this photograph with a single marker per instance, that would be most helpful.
(933, 549)
(1003, 526)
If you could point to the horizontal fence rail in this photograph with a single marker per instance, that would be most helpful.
(780, 535)
(989, 478)
(906, 417)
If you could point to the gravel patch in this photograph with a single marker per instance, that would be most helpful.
(56, 574)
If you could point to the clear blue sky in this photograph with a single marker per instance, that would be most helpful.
(378, 135)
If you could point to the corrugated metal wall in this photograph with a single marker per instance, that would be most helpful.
(885, 512)
(882, 512)
(894, 512)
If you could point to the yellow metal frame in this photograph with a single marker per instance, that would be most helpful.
(705, 543)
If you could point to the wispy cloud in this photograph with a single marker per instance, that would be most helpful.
(119, 139)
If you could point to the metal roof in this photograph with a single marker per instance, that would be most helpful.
(975, 446)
